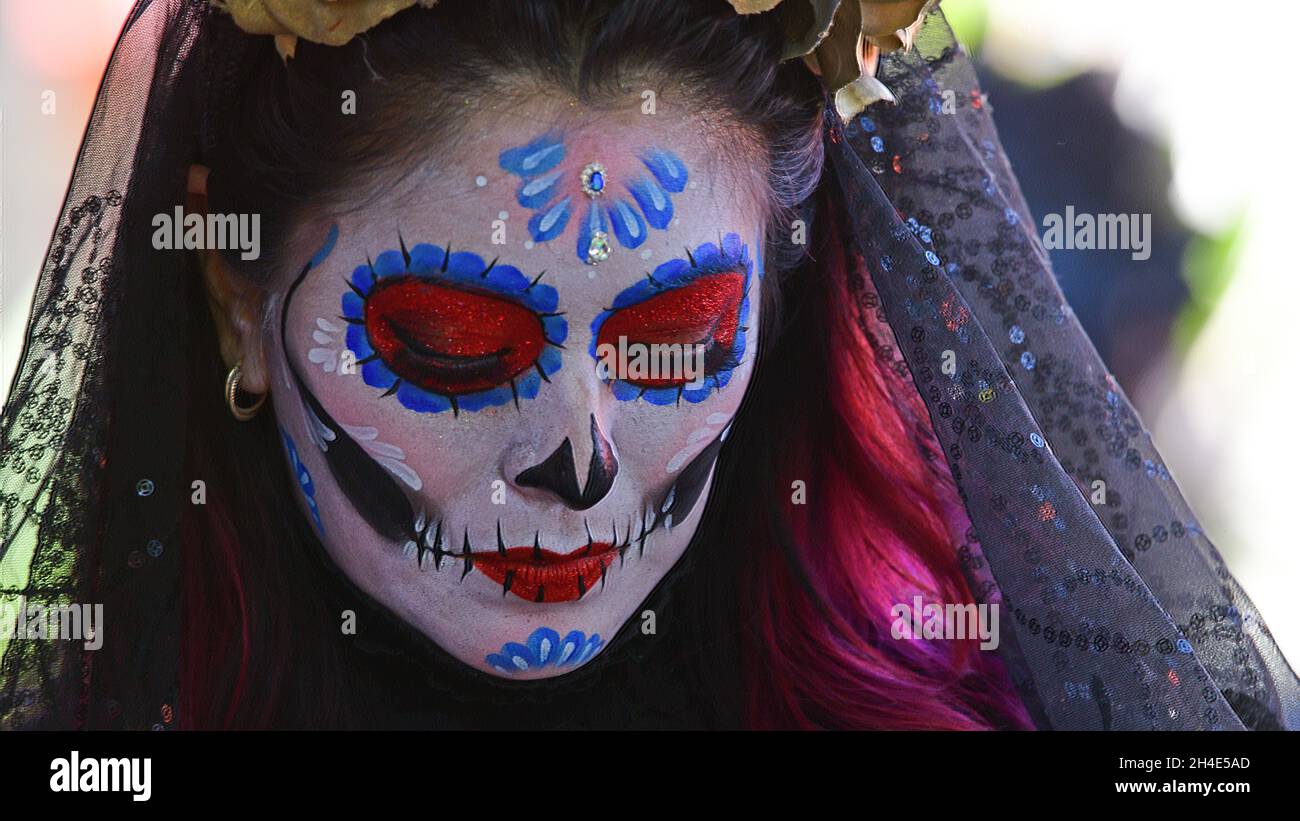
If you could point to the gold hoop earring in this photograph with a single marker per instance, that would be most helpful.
(243, 414)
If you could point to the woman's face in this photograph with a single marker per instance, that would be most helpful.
(502, 389)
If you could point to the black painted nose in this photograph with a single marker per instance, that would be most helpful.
(559, 474)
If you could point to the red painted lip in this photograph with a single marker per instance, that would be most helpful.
(544, 576)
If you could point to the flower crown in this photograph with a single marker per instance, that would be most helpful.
(840, 40)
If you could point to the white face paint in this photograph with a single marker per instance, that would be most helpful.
(518, 533)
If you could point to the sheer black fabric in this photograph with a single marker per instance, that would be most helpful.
(1116, 616)
(1124, 614)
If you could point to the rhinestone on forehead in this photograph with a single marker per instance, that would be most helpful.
(594, 180)
(598, 249)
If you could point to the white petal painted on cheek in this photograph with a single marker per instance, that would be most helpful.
(697, 435)
(682, 457)
(692, 441)
(389, 456)
(403, 472)
(386, 450)
(317, 431)
(360, 433)
(325, 357)
(670, 498)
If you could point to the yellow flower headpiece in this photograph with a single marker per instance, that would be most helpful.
(329, 22)
(841, 40)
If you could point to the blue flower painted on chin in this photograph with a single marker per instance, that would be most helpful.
(701, 298)
(305, 483)
(449, 331)
(544, 648)
(555, 192)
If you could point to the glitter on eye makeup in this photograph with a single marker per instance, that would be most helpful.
(701, 299)
(449, 331)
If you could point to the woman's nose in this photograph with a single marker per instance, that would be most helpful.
(558, 473)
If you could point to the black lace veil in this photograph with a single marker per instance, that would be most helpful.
(1119, 615)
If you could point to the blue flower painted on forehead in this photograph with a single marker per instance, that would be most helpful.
(429, 306)
(553, 192)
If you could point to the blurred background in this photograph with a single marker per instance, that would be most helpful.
(1178, 110)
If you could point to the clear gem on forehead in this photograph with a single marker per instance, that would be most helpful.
(598, 248)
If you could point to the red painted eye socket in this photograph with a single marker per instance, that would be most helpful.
(451, 341)
(705, 311)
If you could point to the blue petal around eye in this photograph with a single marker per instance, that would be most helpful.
(629, 227)
(708, 257)
(418, 399)
(359, 341)
(594, 222)
(485, 399)
(668, 170)
(542, 298)
(536, 192)
(673, 273)
(699, 394)
(654, 201)
(733, 247)
(465, 266)
(506, 278)
(377, 375)
(390, 263)
(661, 396)
(426, 258)
(353, 306)
(536, 157)
(630, 296)
(555, 328)
(595, 329)
(549, 224)
(528, 385)
(549, 360)
(363, 277)
(624, 391)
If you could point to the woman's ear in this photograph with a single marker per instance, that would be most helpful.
(236, 303)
